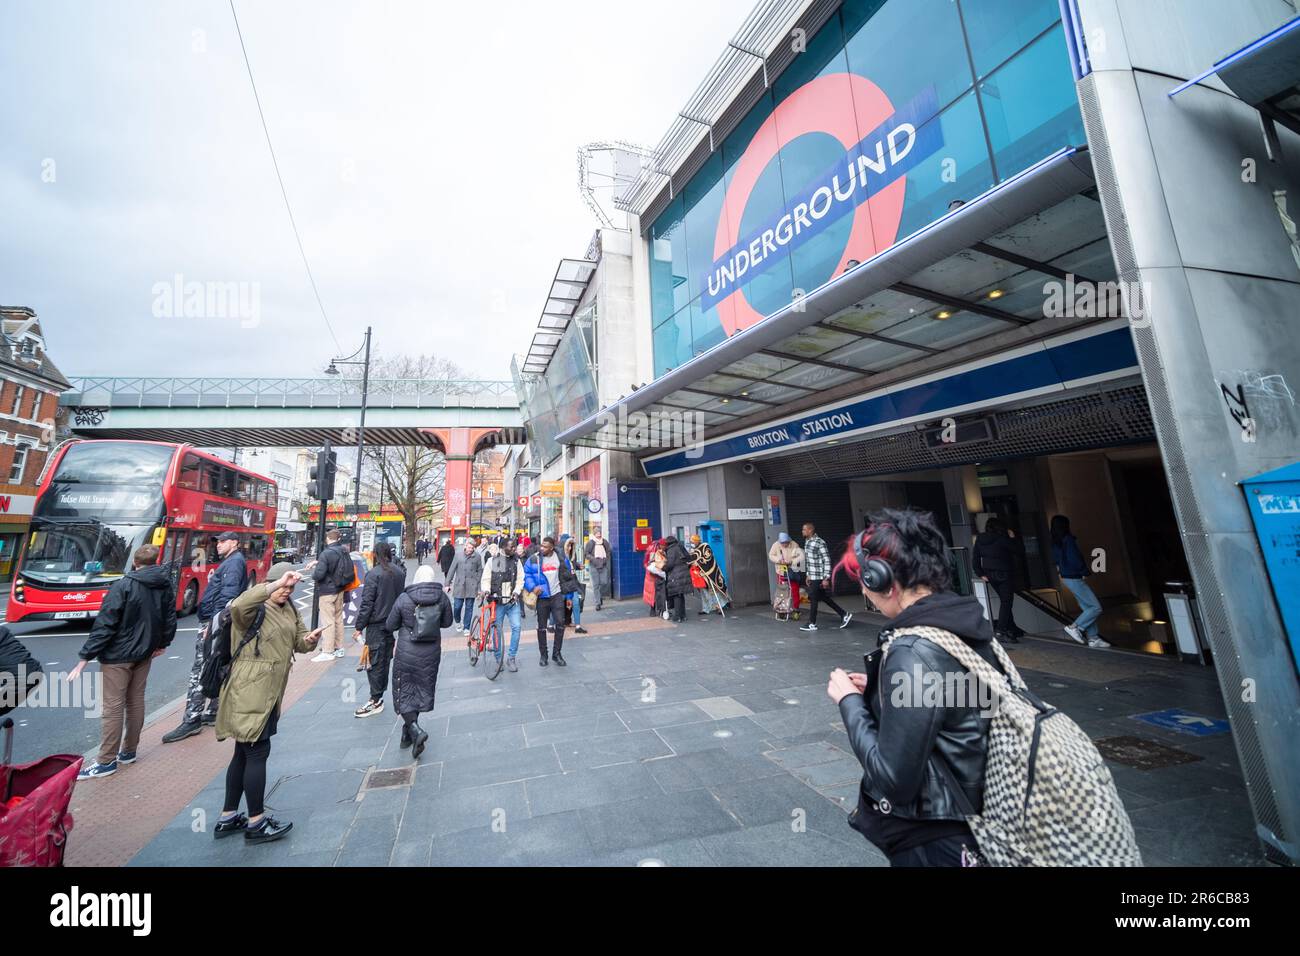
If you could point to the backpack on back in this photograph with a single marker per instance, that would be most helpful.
(428, 623)
(1049, 798)
(345, 572)
(217, 658)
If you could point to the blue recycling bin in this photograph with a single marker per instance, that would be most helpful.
(1274, 501)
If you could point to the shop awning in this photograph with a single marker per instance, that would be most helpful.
(571, 278)
(972, 283)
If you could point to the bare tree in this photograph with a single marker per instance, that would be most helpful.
(411, 476)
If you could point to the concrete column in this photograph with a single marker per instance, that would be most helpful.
(1190, 200)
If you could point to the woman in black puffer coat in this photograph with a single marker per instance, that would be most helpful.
(678, 583)
(418, 655)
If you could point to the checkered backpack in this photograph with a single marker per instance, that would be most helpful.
(1049, 798)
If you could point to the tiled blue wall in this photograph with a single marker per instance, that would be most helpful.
(641, 500)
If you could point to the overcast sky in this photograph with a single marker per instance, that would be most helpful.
(430, 161)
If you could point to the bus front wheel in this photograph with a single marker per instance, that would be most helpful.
(191, 599)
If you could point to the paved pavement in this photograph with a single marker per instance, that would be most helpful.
(709, 743)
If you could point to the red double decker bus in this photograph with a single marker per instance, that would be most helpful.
(100, 500)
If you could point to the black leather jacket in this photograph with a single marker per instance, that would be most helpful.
(897, 741)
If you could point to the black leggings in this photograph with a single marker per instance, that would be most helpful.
(246, 776)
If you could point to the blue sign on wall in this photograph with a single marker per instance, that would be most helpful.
(1106, 352)
(1184, 722)
(1274, 500)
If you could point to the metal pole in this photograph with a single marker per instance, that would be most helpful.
(320, 546)
(361, 432)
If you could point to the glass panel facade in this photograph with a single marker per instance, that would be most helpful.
(895, 109)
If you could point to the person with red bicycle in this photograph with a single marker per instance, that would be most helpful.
(503, 582)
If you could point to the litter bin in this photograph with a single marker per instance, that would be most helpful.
(1185, 619)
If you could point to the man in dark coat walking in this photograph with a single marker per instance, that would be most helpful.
(225, 584)
(446, 555)
(136, 623)
(384, 582)
(417, 618)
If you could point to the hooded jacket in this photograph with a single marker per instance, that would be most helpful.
(677, 571)
(22, 671)
(993, 553)
(535, 578)
(260, 672)
(138, 617)
(379, 593)
(898, 735)
(416, 663)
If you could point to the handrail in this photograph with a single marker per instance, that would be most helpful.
(285, 392)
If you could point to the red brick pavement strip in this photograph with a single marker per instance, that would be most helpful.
(115, 818)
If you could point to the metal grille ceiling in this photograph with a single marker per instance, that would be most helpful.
(1097, 419)
(970, 284)
(571, 278)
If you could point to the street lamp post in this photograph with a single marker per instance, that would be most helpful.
(365, 389)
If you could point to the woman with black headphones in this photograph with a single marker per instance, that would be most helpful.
(917, 723)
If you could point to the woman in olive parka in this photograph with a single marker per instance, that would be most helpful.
(249, 705)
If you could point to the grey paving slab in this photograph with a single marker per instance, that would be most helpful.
(508, 716)
(474, 744)
(499, 768)
(737, 734)
(368, 842)
(586, 788)
(661, 819)
(612, 749)
(662, 715)
(776, 845)
(689, 852)
(438, 814)
(566, 729)
(707, 768)
(554, 840)
(313, 790)
(806, 755)
(720, 708)
(843, 771)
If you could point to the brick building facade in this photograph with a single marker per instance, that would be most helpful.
(30, 385)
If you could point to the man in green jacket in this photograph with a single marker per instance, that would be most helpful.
(250, 699)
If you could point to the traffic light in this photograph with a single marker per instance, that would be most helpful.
(321, 486)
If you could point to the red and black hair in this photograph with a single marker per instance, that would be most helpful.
(909, 541)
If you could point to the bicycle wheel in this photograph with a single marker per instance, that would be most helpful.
(474, 645)
(492, 657)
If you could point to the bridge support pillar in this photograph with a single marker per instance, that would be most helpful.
(459, 446)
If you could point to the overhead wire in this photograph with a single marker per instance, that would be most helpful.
(283, 192)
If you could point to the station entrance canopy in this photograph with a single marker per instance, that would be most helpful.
(1009, 297)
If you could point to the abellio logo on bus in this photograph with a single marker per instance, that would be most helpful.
(865, 181)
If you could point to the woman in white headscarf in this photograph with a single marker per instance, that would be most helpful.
(417, 618)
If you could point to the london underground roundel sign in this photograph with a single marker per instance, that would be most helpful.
(867, 183)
